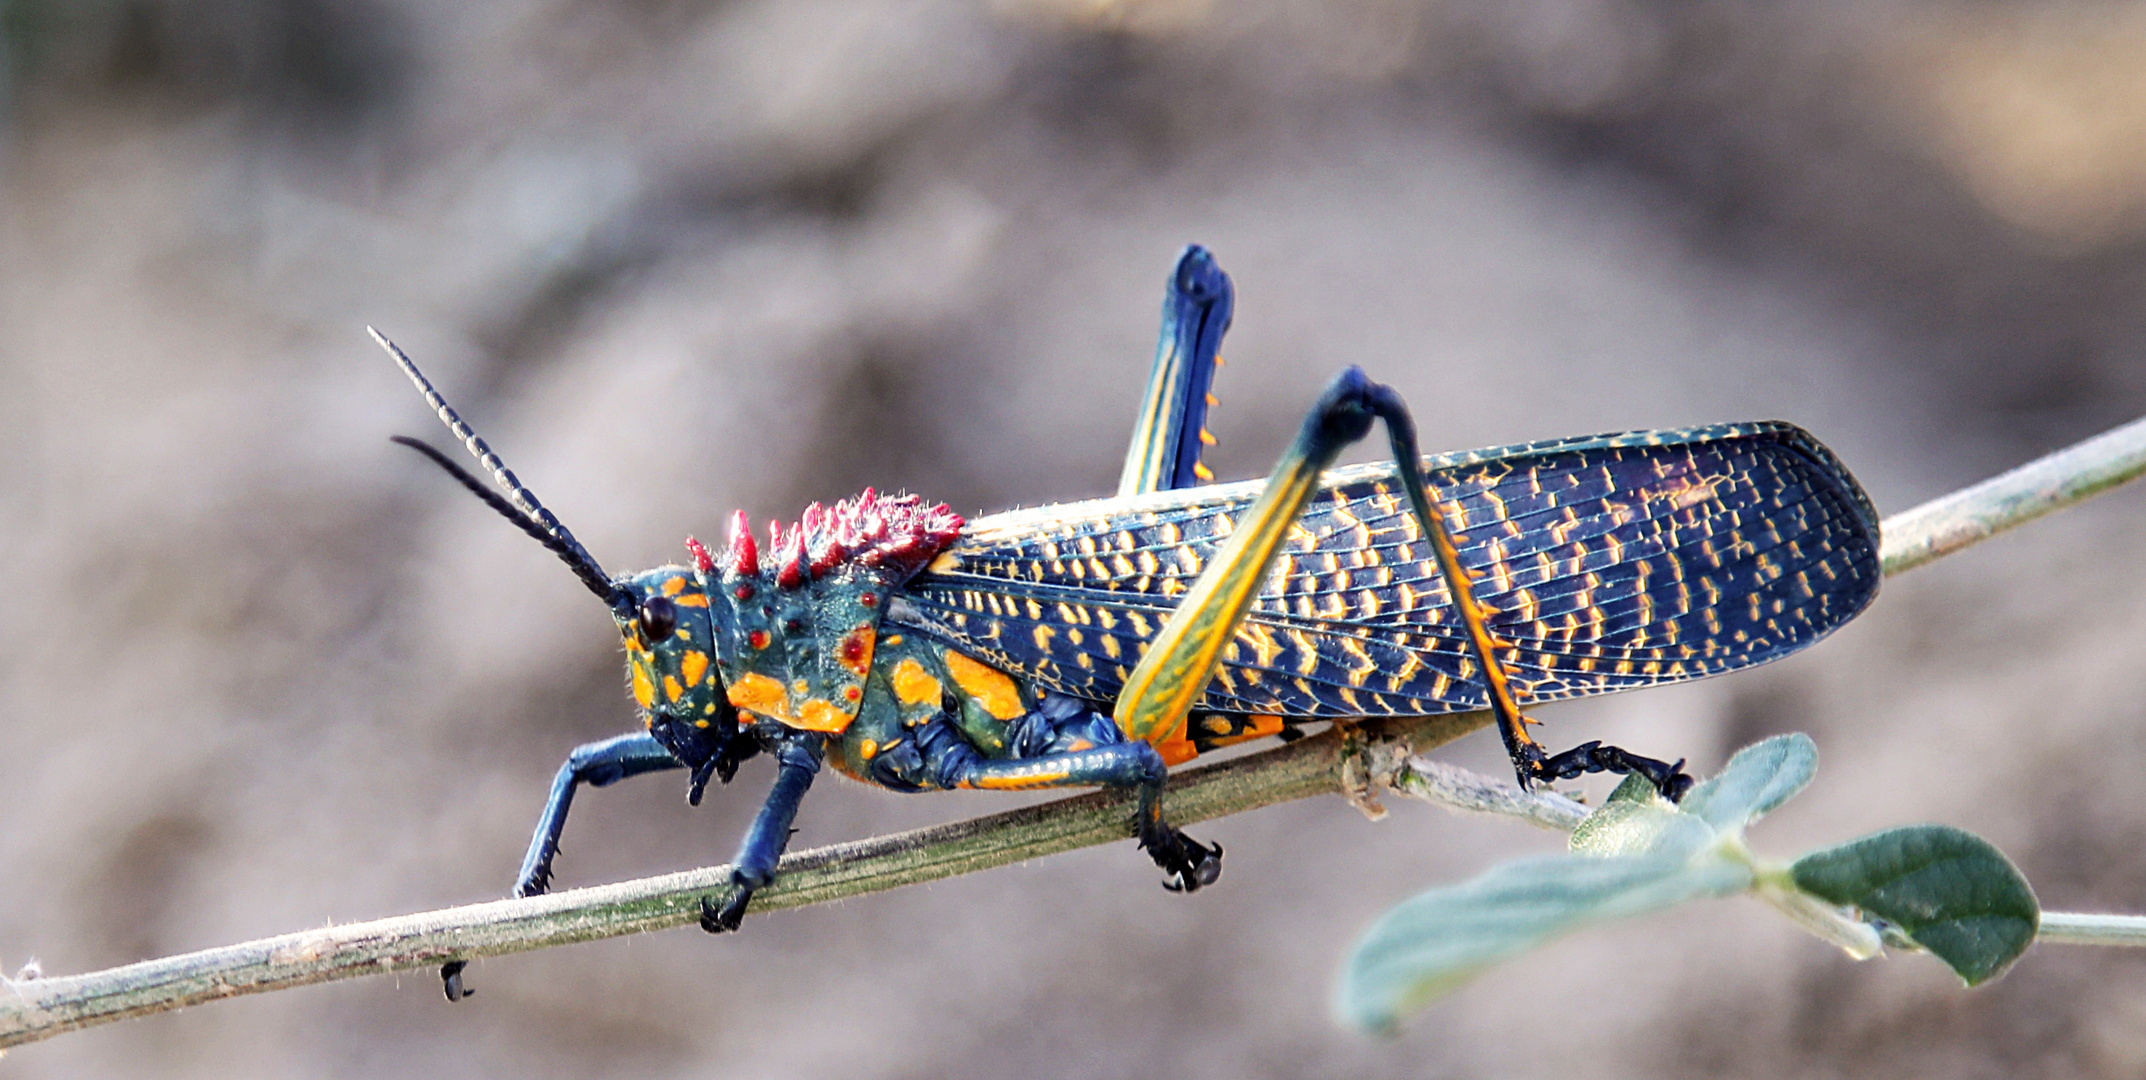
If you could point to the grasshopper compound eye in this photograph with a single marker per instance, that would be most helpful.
(659, 617)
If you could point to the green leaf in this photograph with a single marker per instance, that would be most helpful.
(1945, 889)
(1432, 943)
(1760, 777)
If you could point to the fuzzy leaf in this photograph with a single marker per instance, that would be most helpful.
(1637, 821)
(1946, 890)
(1760, 777)
(1432, 943)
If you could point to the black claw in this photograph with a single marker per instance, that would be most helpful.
(729, 916)
(1187, 864)
(699, 785)
(1592, 757)
(451, 980)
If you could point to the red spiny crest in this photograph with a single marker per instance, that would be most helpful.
(743, 559)
(701, 560)
(898, 533)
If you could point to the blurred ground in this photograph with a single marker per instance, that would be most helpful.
(259, 670)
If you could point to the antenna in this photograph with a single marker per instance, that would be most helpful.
(520, 505)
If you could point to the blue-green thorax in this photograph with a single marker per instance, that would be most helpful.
(794, 633)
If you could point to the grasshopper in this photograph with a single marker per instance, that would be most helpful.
(1099, 643)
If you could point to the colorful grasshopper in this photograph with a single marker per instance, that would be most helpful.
(1100, 643)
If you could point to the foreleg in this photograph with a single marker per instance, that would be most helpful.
(598, 764)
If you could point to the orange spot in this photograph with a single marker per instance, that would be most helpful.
(1174, 747)
(1176, 751)
(693, 666)
(758, 693)
(913, 685)
(671, 690)
(700, 723)
(856, 650)
(1258, 727)
(644, 691)
(693, 600)
(868, 749)
(819, 714)
(1217, 725)
(988, 685)
(674, 586)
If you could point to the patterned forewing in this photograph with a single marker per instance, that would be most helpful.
(1607, 563)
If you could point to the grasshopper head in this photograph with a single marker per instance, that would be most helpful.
(670, 648)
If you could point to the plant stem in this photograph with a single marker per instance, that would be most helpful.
(2045, 485)
(2078, 928)
(40, 1008)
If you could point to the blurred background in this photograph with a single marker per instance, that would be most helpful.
(262, 671)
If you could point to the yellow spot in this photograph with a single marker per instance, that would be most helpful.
(1025, 779)
(894, 639)
(674, 586)
(988, 685)
(671, 690)
(644, 691)
(800, 686)
(1217, 725)
(913, 685)
(693, 666)
(700, 723)
(868, 749)
(947, 562)
(1201, 470)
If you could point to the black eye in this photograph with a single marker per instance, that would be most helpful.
(658, 618)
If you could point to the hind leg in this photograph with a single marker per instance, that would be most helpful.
(1173, 673)
(1172, 424)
